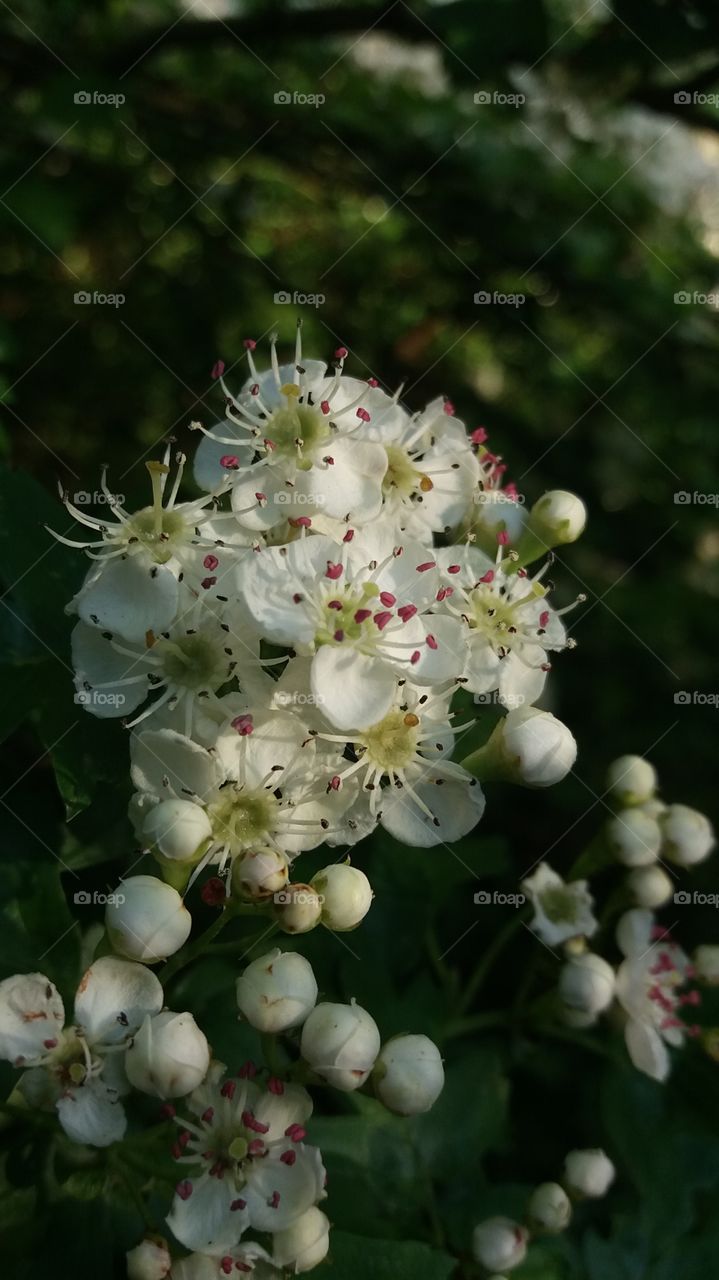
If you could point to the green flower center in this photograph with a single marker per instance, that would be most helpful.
(559, 905)
(392, 744)
(160, 532)
(402, 476)
(195, 661)
(297, 432)
(241, 819)
(339, 615)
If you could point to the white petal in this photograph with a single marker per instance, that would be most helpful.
(279, 1111)
(519, 684)
(299, 1185)
(97, 663)
(277, 501)
(443, 660)
(351, 487)
(113, 998)
(130, 597)
(353, 690)
(276, 739)
(205, 1221)
(93, 1114)
(647, 1049)
(31, 1013)
(165, 762)
(634, 933)
(209, 475)
(457, 806)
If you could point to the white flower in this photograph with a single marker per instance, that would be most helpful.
(509, 628)
(345, 894)
(169, 1056)
(528, 747)
(71, 1068)
(634, 837)
(245, 1259)
(308, 430)
(631, 780)
(408, 1075)
(706, 964)
(499, 1242)
(650, 887)
(364, 612)
(549, 1208)
(649, 983)
(588, 1173)
(277, 991)
(688, 835)
(341, 1043)
(149, 1260)
(146, 919)
(247, 1166)
(303, 1245)
(561, 910)
(586, 984)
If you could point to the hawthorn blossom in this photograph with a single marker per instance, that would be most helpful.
(77, 1069)
(652, 989)
(244, 1161)
(562, 910)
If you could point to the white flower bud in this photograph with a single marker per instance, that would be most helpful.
(147, 919)
(32, 1016)
(650, 887)
(304, 1244)
(558, 517)
(588, 1173)
(149, 1260)
(634, 838)
(631, 780)
(586, 984)
(298, 908)
(528, 747)
(549, 1208)
(169, 1055)
(408, 1075)
(688, 835)
(345, 893)
(706, 963)
(178, 829)
(499, 1242)
(277, 991)
(259, 875)
(341, 1043)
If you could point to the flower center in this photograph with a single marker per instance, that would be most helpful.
(559, 905)
(348, 615)
(242, 818)
(491, 612)
(392, 743)
(160, 532)
(296, 432)
(194, 661)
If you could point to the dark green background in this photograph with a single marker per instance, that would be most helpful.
(198, 199)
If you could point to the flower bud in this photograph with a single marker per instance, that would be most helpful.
(32, 1016)
(631, 780)
(277, 991)
(634, 838)
(650, 887)
(706, 963)
(259, 875)
(297, 908)
(688, 835)
(408, 1075)
(528, 747)
(149, 1260)
(346, 896)
(304, 1244)
(147, 919)
(549, 1208)
(586, 984)
(168, 1056)
(555, 519)
(588, 1173)
(178, 829)
(341, 1043)
(499, 1242)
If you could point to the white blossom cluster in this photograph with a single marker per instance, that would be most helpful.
(287, 651)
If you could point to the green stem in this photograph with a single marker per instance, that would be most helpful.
(492, 953)
(479, 1022)
(194, 949)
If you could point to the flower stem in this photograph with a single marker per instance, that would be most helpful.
(493, 951)
(194, 949)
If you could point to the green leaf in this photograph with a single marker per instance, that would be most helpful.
(356, 1257)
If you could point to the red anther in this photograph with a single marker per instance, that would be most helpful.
(690, 997)
(362, 615)
(387, 599)
(243, 725)
(325, 406)
(444, 592)
(334, 783)
(478, 436)
(295, 1133)
(247, 1071)
(184, 1138)
(261, 498)
(432, 642)
(544, 618)
(330, 461)
(415, 657)
(333, 571)
(300, 522)
(249, 344)
(454, 568)
(511, 490)
(363, 415)
(49, 1044)
(269, 444)
(213, 892)
(218, 369)
(226, 1265)
(488, 576)
(229, 461)
(249, 1121)
(208, 1115)
(228, 1089)
(288, 1157)
(428, 564)
(210, 562)
(207, 583)
(275, 1085)
(503, 538)
(256, 1147)
(254, 389)
(274, 1200)
(184, 1189)
(243, 1266)
(297, 598)
(349, 535)
(372, 382)
(335, 604)
(521, 573)
(339, 635)
(238, 1204)
(381, 619)
(340, 353)
(406, 612)
(449, 408)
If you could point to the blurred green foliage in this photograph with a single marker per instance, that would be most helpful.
(399, 198)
